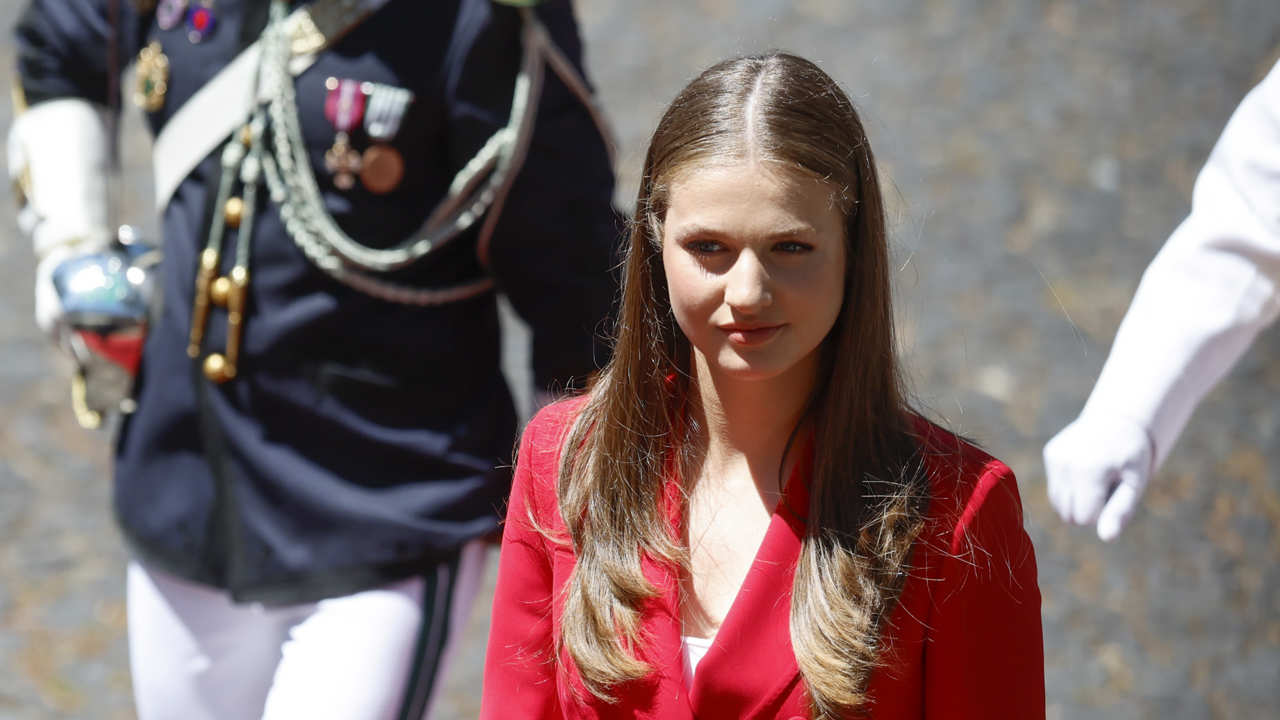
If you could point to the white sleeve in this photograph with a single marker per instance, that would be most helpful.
(58, 157)
(1212, 287)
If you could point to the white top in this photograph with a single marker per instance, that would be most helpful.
(694, 649)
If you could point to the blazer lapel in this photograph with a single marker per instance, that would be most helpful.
(750, 664)
(662, 695)
(664, 649)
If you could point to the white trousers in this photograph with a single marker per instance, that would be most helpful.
(195, 654)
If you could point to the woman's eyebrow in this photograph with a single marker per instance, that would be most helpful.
(793, 232)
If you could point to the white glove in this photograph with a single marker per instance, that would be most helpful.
(1098, 467)
(58, 157)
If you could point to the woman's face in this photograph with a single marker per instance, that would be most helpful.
(754, 258)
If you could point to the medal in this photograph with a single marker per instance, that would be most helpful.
(343, 162)
(344, 108)
(151, 78)
(386, 109)
(381, 169)
(170, 12)
(201, 22)
(382, 165)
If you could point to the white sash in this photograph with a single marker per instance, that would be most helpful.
(224, 103)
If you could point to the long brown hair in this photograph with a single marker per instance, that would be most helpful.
(866, 486)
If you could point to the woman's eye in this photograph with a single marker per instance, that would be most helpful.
(703, 247)
(793, 247)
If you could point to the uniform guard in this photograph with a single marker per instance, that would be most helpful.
(321, 430)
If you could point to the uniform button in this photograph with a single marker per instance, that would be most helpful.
(233, 212)
(219, 291)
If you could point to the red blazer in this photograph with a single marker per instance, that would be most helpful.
(964, 641)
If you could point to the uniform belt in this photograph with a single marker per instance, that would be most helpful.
(224, 103)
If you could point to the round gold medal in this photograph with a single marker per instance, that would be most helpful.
(382, 169)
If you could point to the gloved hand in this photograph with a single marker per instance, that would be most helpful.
(1097, 468)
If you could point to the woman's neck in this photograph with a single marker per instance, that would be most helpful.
(747, 423)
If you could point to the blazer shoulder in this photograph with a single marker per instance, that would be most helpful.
(968, 488)
(546, 431)
(538, 460)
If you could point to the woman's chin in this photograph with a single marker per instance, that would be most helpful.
(740, 368)
(735, 365)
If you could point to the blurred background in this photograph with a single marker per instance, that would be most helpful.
(1038, 153)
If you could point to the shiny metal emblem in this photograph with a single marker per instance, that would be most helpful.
(151, 78)
(169, 13)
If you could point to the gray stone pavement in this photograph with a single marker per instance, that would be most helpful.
(1039, 153)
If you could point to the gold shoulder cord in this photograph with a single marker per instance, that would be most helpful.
(241, 156)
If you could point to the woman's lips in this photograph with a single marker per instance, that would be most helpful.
(747, 335)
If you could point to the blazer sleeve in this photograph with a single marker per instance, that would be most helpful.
(62, 48)
(554, 244)
(520, 668)
(985, 652)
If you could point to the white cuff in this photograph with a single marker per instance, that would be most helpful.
(60, 148)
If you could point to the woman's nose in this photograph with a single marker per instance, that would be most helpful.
(747, 285)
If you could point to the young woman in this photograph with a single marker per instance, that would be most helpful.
(742, 518)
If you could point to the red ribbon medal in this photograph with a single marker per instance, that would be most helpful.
(344, 108)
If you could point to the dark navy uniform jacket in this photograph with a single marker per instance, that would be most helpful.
(362, 440)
